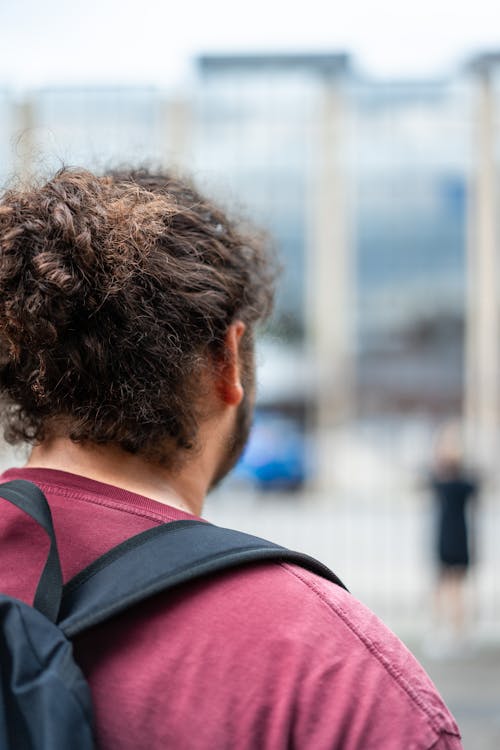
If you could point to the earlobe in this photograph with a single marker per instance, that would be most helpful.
(230, 387)
(234, 394)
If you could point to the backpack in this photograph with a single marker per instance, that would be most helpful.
(45, 701)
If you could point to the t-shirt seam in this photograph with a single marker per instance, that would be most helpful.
(98, 500)
(440, 736)
(395, 674)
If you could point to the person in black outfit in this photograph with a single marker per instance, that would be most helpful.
(454, 489)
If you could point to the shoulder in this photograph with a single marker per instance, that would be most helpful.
(312, 645)
(347, 651)
(281, 653)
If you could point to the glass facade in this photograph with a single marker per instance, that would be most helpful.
(253, 148)
(410, 168)
(249, 133)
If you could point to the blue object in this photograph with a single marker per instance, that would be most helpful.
(275, 456)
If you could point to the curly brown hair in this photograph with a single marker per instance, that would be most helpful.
(113, 291)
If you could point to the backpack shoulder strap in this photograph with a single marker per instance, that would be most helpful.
(29, 498)
(159, 559)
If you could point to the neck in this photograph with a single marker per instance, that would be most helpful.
(184, 489)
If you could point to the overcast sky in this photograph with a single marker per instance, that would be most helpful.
(51, 42)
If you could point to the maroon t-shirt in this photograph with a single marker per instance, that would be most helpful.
(269, 657)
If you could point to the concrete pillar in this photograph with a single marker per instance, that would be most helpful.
(24, 149)
(482, 330)
(329, 261)
(179, 133)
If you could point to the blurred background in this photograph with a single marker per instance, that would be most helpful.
(366, 142)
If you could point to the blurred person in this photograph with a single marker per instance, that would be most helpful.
(455, 491)
(128, 307)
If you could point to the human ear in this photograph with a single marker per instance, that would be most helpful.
(229, 385)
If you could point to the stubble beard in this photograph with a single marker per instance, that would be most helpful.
(239, 435)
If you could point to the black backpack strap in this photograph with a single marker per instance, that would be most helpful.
(29, 498)
(159, 559)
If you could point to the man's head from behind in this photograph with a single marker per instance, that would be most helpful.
(121, 299)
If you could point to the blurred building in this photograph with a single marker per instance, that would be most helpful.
(362, 185)
(404, 152)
